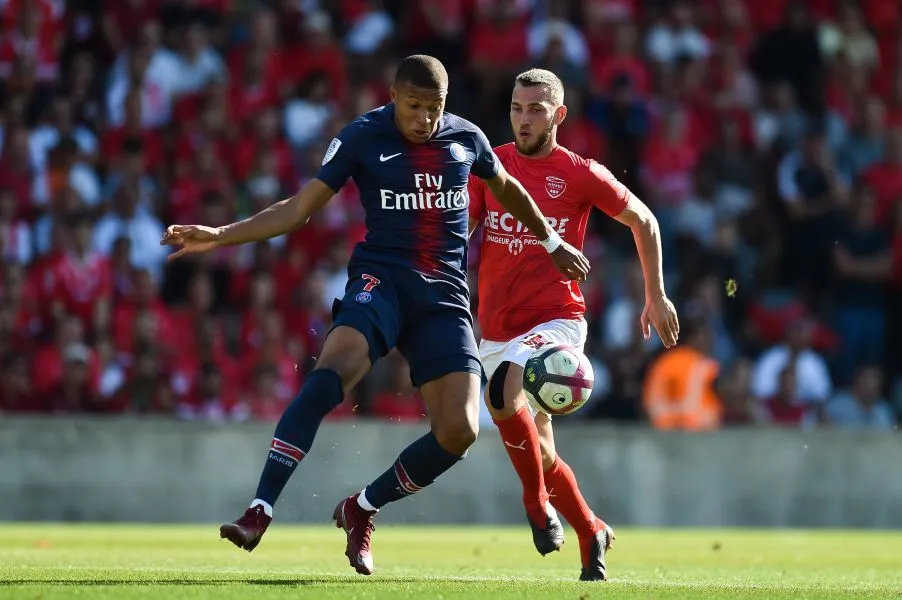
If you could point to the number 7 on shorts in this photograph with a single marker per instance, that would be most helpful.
(371, 282)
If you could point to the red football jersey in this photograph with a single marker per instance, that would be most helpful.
(519, 286)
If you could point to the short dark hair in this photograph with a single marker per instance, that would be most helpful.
(546, 79)
(422, 71)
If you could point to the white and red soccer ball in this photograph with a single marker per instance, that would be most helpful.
(558, 379)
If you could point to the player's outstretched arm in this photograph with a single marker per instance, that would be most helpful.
(659, 311)
(511, 195)
(280, 218)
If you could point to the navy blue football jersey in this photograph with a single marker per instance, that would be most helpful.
(415, 195)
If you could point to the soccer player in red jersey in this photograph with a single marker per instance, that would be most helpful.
(525, 304)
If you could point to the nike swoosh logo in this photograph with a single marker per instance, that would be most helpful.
(383, 158)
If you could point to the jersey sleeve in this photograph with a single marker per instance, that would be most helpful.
(340, 161)
(603, 190)
(486, 165)
(476, 190)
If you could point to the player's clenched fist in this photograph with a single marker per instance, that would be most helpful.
(192, 239)
(571, 262)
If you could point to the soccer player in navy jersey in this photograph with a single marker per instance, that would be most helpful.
(407, 288)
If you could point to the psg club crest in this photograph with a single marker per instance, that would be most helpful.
(555, 186)
(457, 152)
(363, 297)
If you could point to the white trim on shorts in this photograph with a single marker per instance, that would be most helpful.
(571, 332)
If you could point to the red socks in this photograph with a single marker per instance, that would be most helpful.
(521, 440)
(569, 501)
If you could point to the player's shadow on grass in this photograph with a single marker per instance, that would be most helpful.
(204, 582)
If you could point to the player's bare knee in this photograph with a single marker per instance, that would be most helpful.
(453, 404)
(458, 436)
(346, 352)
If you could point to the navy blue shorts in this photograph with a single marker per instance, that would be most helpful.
(428, 321)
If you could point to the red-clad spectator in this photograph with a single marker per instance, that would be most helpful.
(251, 91)
(21, 303)
(264, 138)
(266, 401)
(317, 52)
(186, 319)
(144, 312)
(263, 40)
(132, 131)
(497, 49)
(146, 389)
(885, 177)
(578, 133)
(624, 61)
(203, 184)
(783, 409)
(16, 173)
(272, 350)
(731, 22)
(603, 12)
(47, 367)
(260, 304)
(76, 389)
(348, 409)
(41, 275)
(212, 399)
(83, 280)
(212, 130)
(185, 367)
(33, 38)
(263, 259)
(124, 20)
(51, 14)
(669, 162)
(400, 401)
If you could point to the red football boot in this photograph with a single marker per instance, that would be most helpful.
(246, 531)
(358, 525)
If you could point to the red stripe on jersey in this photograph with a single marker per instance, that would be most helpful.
(432, 224)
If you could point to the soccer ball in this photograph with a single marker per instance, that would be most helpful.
(558, 379)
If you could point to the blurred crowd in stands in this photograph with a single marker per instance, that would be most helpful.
(765, 134)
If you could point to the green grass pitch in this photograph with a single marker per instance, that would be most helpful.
(174, 561)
